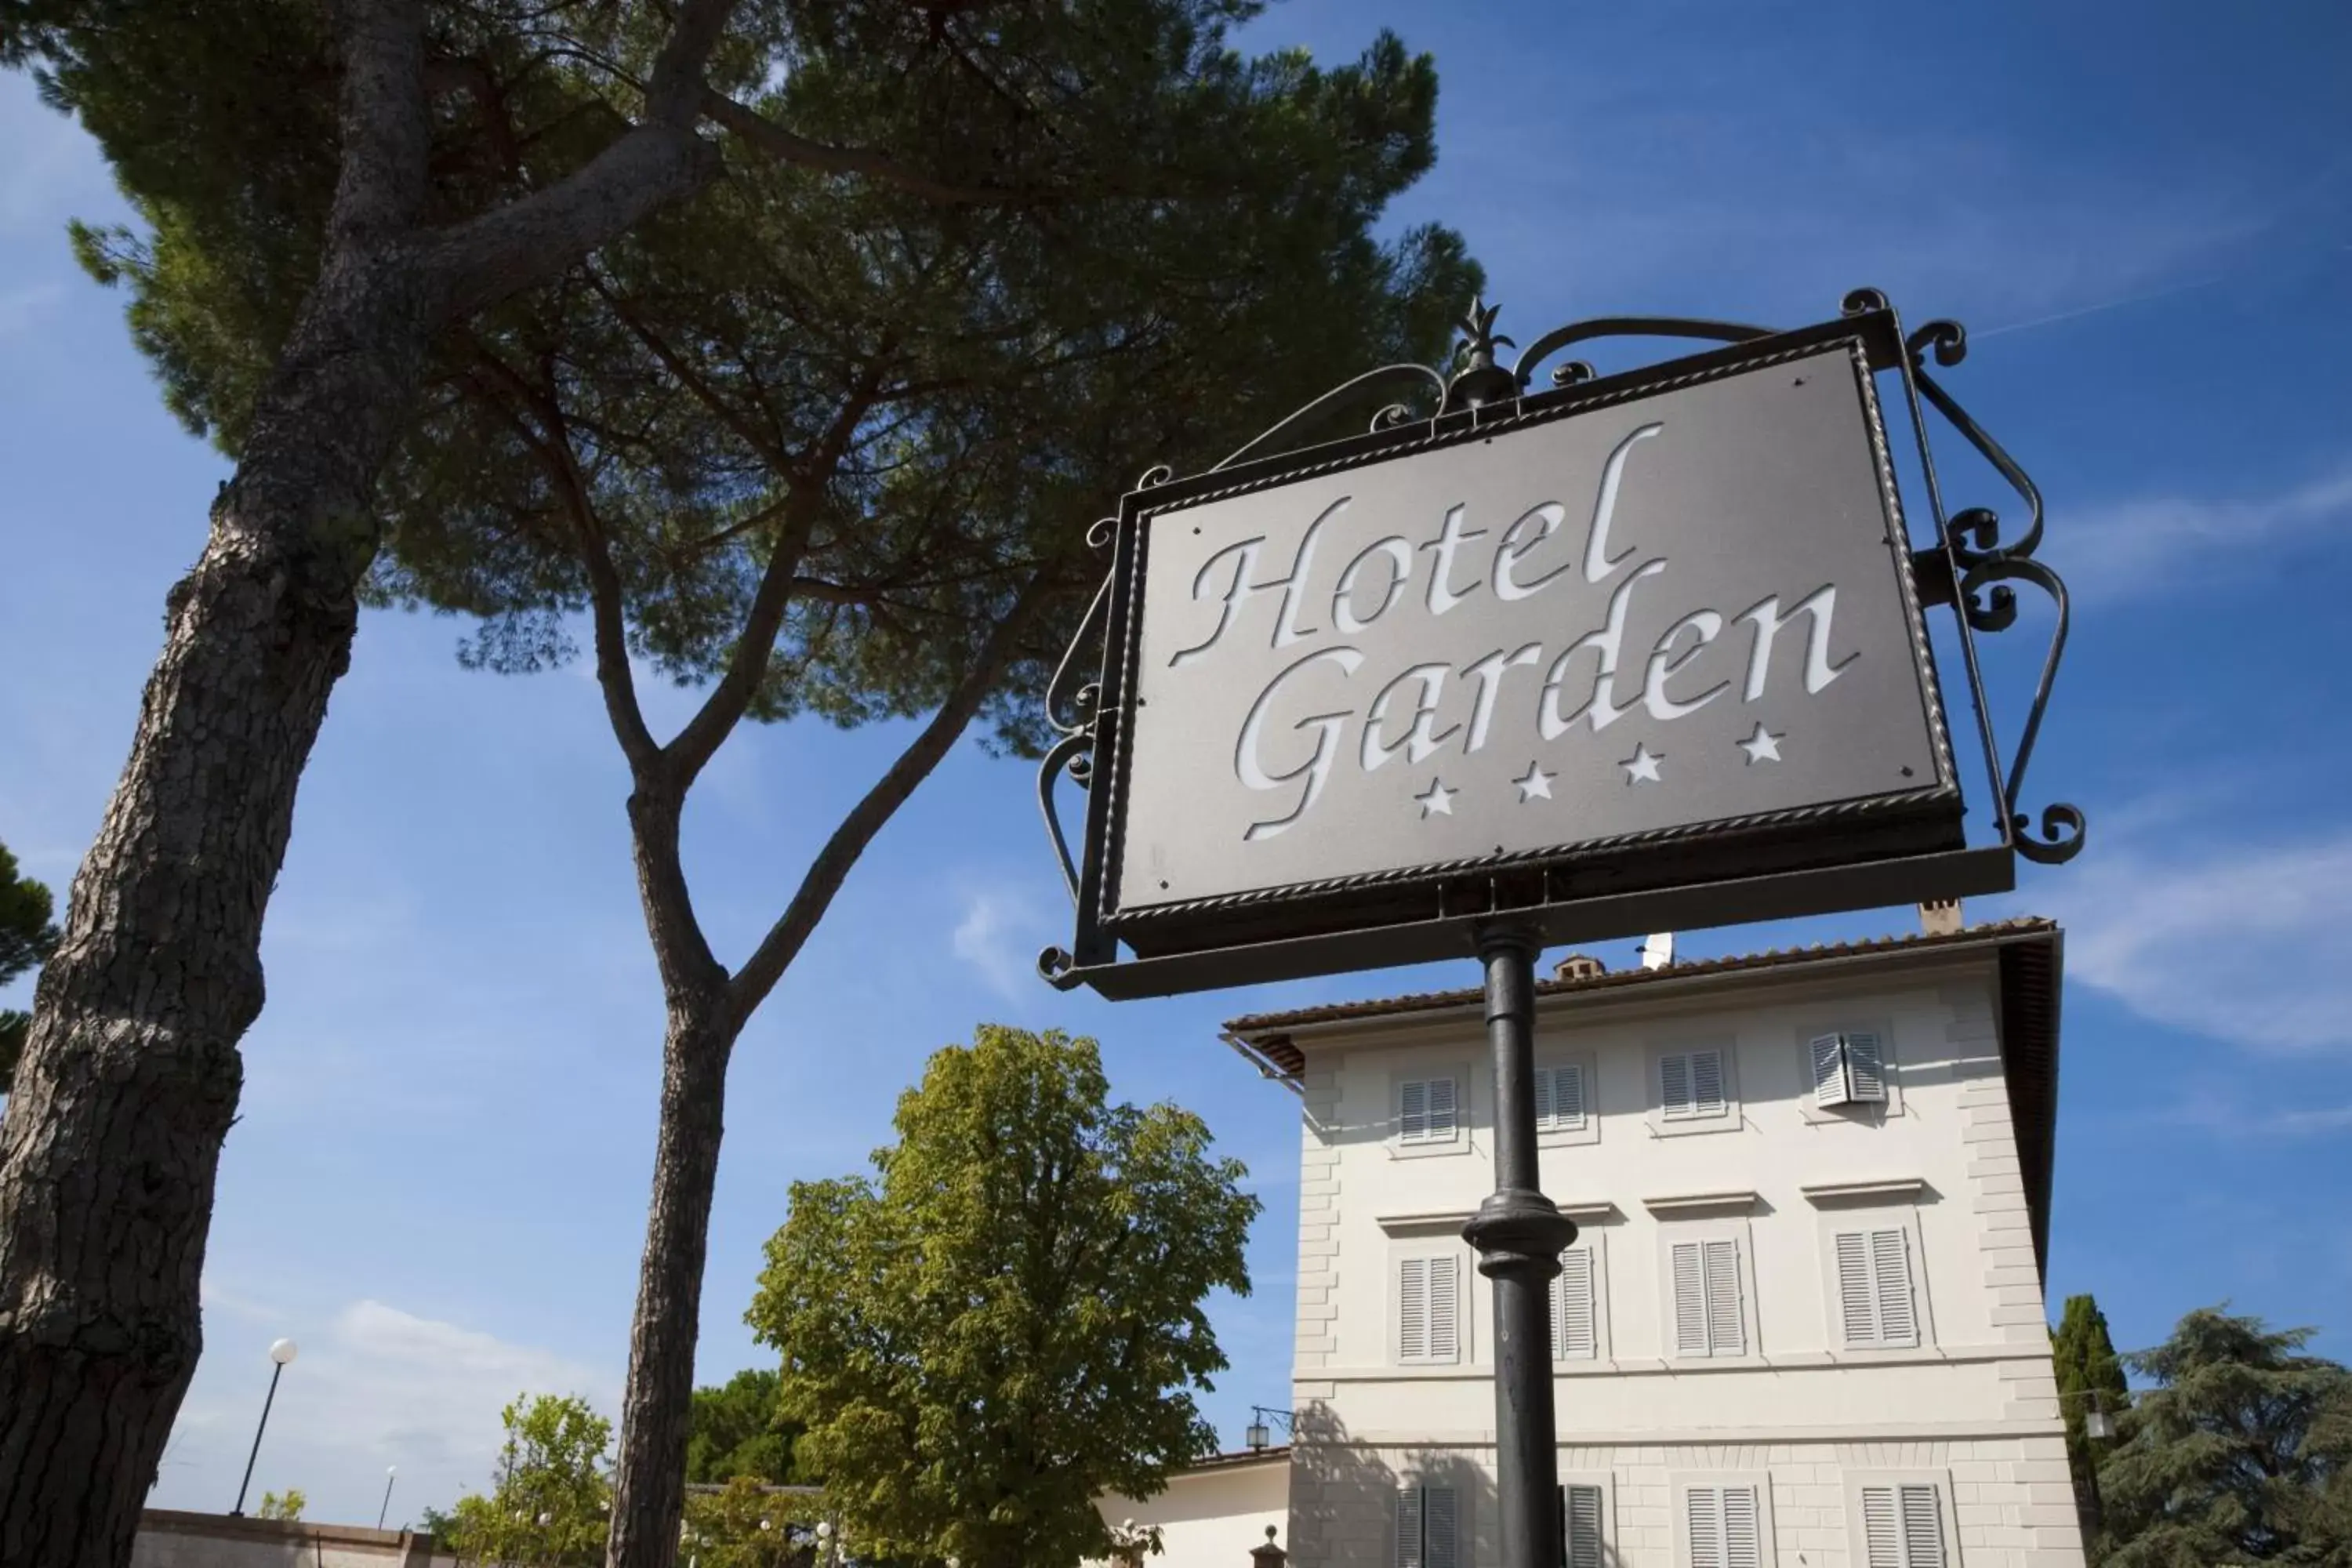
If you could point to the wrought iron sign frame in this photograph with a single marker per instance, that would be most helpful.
(1967, 568)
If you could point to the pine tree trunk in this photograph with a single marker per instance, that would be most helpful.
(131, 1075)
(649, 1499)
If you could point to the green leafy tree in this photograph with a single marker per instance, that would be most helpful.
(824, 440)
(2090, 1376)
(552, 1501)
(27, 937)
(744, 1525)
(2229, 1457)
(287, 1506)
(1006, 1320)
(740, 1431)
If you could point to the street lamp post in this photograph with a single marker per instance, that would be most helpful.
(281, 1355)
(385, 1513)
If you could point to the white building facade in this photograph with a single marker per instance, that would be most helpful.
(1802, 1324)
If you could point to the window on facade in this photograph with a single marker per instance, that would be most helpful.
(1725, 1531)
(1425, 1111)
(1902, 1527)
(1849, 1070)
(1874, 1303)
(1427, 1528)
(1575, 1318)
(1560, 1098)
(1691, 1085)
(1579, 1525)
(1428, 1309)
(1708, 1318)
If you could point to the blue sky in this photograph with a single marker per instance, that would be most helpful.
(2143, 212)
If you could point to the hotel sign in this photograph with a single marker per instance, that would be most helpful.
(1581, 646)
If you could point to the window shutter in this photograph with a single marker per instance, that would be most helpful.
(1723, 1334)
(1856, 1308)
(1579, 1525)
(1568, 1097)
(1412, 1309)
(1413, 1111)
(1441, 1109)
(1544, 1099)
(1440, 1538)
(1882, 1535)
(1890, 1268)
(1408, 1528)
(1706, 1083)
(1574, 1335)
(1703, 1509)
(1829, 1069)
(1743, 1544)
(1923, 1528)
(1445, 1298)
(1690, 1301)
(1866, 1068)
(1675, 1085)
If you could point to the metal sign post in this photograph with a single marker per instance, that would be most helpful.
(1518, 666)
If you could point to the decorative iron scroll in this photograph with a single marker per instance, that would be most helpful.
(1970, 568)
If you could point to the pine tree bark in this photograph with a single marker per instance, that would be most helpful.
(131, 1074)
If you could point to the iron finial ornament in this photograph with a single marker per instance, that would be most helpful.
(1480, 380)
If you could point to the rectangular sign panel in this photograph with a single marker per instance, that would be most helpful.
(1573, 639)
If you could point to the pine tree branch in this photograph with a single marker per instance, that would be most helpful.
(692, 747)
(923, 754)
(772, 142)
(656, 161)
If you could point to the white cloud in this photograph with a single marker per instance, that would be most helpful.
(994, 936)
(2142, 546)
(378, 1387)
(2251, 944)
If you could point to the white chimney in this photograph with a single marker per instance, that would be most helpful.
(1657, 950)
(1940, 918)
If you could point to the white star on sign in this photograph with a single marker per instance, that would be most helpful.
(1762, 746)
(1535, 782)
(1641, 765)
(1438, 801)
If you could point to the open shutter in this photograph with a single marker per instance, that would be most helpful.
(1703, 1509)
(1866, 1068)
(1412, 1309)
(1444, 1300)
(1690, 1300)
(1441, 1111)
(1413, 1111)
(1579, 1525)
(1408, 1528)
(1574, 1335)
(1856, 1308)
(1675, 1086)
(1890, 1266)
(1829, 1069)
(1706, 1083)
(1923, 1528)
(1743, 1540)
(1723, 1335)
(1440, 1538)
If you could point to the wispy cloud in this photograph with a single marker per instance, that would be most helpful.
(2148, 545)
(2230, 1119)
(2247, 943)
(996, 938)
(377, 1386)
